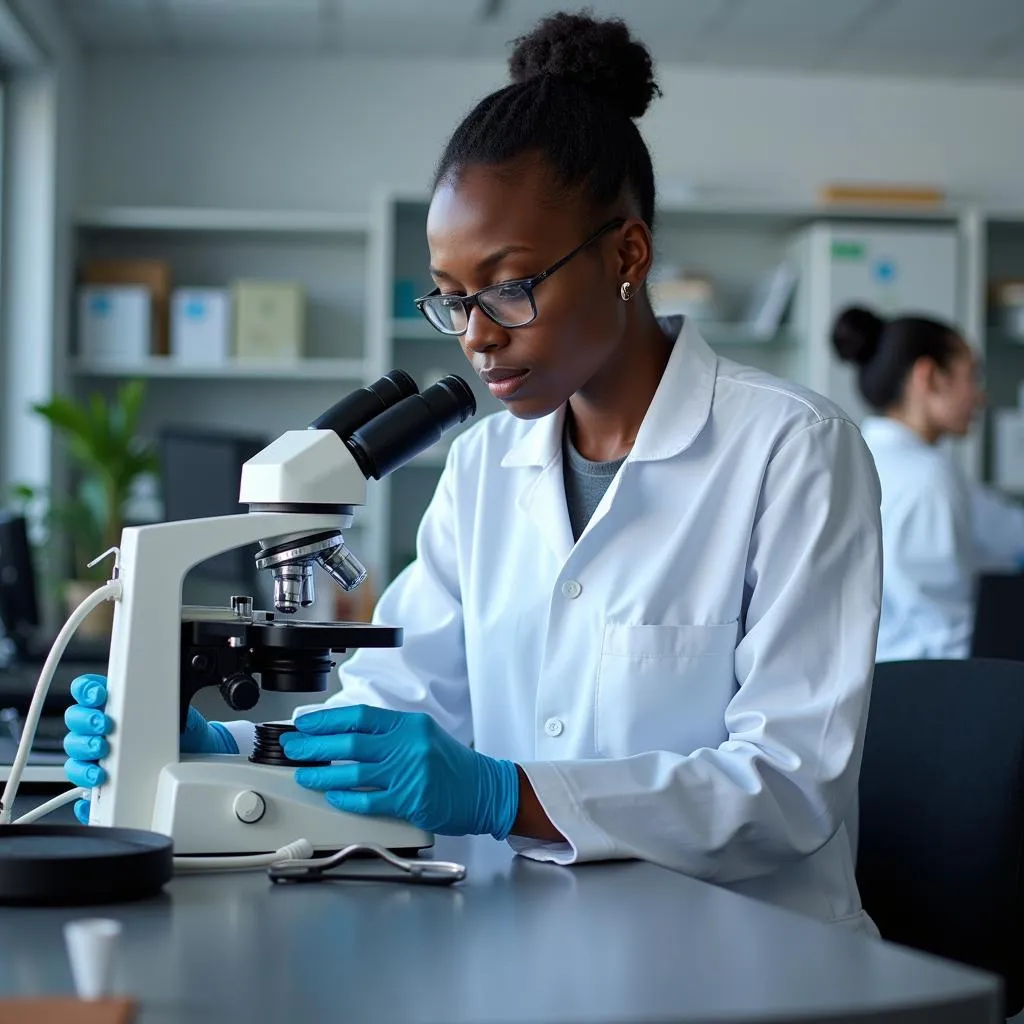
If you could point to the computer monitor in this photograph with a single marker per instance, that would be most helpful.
(200, 474)
(19, 605)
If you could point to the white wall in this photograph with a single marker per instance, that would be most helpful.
(321, 133)
(39, 194)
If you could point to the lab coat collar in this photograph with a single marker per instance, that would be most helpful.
(677, 414)
(885, 430)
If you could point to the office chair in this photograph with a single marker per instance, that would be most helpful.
(941, 846)
(997, 617)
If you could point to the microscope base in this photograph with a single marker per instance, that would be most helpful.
(211, 805)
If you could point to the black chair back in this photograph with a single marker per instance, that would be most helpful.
(999, 617)
(942, 813)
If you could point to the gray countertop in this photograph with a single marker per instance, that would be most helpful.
(515, 942)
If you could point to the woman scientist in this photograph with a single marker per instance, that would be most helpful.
(938, 530)
(648, 594)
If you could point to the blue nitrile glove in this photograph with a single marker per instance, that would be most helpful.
(88, 725)
(418, 772)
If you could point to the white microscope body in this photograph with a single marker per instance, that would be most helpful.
(301, 491)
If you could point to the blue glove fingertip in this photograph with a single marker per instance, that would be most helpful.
(294, 746)
(338, 799)
(86, 721)
(307, 777)
(308, 723)
(90, 690)
(82, 811)
(84, 773)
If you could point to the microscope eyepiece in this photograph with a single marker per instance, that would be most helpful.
(411, 426)
(383, 425)
(359, 407)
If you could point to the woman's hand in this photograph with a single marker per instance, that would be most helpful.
(403, 765)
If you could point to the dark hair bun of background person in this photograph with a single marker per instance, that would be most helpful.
(600, 56)
(856, 335)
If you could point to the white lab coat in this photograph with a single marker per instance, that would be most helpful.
(938, 531)
(687, 683)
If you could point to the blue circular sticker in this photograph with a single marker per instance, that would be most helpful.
(885, 271)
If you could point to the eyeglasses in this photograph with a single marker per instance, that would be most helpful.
(508, 303)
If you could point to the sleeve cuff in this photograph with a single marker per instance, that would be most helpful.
(584, 840)
(243, 733)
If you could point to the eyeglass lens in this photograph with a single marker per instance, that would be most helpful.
(508, 304)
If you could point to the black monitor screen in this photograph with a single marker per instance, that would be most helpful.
(200, 473)
(19, 607)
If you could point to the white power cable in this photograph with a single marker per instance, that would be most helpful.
(110, 591)
(301, 849)
(51, 805)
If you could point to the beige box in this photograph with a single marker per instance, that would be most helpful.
(270, 319)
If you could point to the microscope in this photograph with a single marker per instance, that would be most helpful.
(301, 492)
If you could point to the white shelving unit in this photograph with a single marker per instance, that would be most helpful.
(327, 252)
(362, 272)
(218, 221)
(240, 370)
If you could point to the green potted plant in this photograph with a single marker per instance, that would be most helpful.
(107, 459)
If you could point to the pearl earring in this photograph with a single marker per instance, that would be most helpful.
(626, 291)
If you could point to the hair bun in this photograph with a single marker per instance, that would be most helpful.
(857, 334)
(599, 55)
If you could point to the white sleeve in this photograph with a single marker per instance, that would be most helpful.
(997, 524)
(929, 568)
(782, 783)
(428, 672)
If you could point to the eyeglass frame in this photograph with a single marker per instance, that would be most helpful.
(526, 283)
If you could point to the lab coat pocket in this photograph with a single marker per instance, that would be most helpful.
(663, 687)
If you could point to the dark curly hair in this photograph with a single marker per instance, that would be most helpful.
(577, 85)
(885, 351)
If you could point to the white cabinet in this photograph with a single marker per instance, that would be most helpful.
(893, 270)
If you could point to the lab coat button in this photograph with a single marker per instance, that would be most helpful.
(571, 589)
(554, 727)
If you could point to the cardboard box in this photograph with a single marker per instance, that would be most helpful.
(270, 319)
(152, 274)
(114, 323)
(201, 325)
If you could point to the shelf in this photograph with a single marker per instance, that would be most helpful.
(732, 334)
(731, 208)
(164, 366)
(737, 335)
(415, 328)
(156, 218)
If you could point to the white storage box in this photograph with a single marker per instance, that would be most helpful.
(114, 323)
(1008, 444)
(270, 319)
(200, 325)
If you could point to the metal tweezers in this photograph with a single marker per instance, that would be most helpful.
(322, 869)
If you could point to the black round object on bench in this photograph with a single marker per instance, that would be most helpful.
(81, 865)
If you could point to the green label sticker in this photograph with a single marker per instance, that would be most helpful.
(847, 251)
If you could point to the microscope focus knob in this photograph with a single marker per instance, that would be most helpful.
(249, 807)
(241, 691)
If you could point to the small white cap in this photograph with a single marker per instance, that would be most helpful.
(90, 944)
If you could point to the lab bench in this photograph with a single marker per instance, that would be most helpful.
(516, 941)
